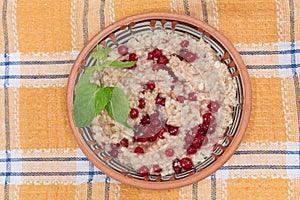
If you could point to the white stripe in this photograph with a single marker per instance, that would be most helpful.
(293, 160)
(13, 70)
(223, 174)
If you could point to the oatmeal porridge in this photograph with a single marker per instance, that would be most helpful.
(181, 101)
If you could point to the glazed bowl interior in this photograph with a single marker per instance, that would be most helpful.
(119, 33)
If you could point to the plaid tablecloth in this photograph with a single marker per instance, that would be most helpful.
(39, 41)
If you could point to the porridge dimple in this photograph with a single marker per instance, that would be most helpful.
(181, 100)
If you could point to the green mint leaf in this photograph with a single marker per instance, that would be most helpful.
(99, 48)
(121, 64)
(102, 98)
(84, 79)
(91, 99)
(118, 107)
(84, 110)
(103, 65)
(101, 53)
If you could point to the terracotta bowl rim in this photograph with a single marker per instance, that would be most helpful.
(247, 101)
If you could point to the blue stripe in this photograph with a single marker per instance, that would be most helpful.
(4, 24)
(62, 76)
(50, 76)
(7, 176)
(58, 62)
(266, 152)
(195, 191)
(293, 61)
(39, 159)
(107, 187)
(90, 179)
(246, 167)
(6, 101)
(102, 15)
(204, 10)
(91, 170)
(282, 52)
(186, 7)
(294, 51)
(291, 66)
(78, 173)
(94, 173)
(85, 21)
(213, 186)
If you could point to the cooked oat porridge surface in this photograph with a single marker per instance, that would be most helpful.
(181, 98)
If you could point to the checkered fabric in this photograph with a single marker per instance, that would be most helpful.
(39, 41)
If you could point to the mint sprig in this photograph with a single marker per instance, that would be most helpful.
(91, 99)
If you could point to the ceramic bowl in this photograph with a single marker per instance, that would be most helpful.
(120, 32)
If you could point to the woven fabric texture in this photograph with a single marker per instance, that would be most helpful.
(39, 41)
